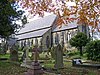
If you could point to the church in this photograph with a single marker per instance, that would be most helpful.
(46, 33)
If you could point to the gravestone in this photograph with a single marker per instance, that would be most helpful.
(35, 67)
(14, 55)
(58, 57)
(26, 62)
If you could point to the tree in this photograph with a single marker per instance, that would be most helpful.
(79, 41)
(8, 16)
(85, 11)
(93, 50)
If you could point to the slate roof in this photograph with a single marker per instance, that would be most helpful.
(39, 27)
(66, 27)
(44, 22)
(33, 34)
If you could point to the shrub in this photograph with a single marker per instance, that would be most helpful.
(80, 40)
(93, 50)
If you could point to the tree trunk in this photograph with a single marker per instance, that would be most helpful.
(81, 52)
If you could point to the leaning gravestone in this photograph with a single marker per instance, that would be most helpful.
(58, 57)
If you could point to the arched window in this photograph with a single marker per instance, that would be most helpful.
(32, 42)
(25, 43)
(67, 36)
(36, 41)
(47, 41)
(62, 38)
(28, 42)
(56, 38)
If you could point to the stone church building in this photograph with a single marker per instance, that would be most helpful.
(46, 33)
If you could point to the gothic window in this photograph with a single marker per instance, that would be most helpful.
(62, 38)
(28, 42)
(40, 41)
(56, 38)
(31, 42)
(66, 36)
(25, 43)
(47, 41)
(36, 41)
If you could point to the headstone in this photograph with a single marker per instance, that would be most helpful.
(27, 54)
(35, 67)
(58, 57)
(26, 60)
(13, 55)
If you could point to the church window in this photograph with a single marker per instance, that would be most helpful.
(28, 42)
(56, 38)
(36, 41)
(47, 41)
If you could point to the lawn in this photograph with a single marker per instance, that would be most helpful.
(13, 68)
(5, 55)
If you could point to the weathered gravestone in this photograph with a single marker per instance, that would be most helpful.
(58, 57)
(14, 55)
(35, 67)
(26, 59)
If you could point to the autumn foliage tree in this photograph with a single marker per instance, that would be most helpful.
(84, 11)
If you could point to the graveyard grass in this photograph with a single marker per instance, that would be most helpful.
(13, 68)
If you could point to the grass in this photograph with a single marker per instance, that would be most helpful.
(11, 68)
(4, 55)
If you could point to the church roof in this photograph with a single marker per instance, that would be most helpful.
(44, 22)
(66, 27)
(40, 26)
(33, 34)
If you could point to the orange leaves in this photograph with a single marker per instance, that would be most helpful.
(86, 10)
(91, 23)
(49, 1)
(60, 21)
(66, 12)
(94, 24)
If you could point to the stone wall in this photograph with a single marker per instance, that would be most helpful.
(44, 40)
(65, 35)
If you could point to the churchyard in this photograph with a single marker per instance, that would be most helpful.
(8, 67)
(64, 42)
